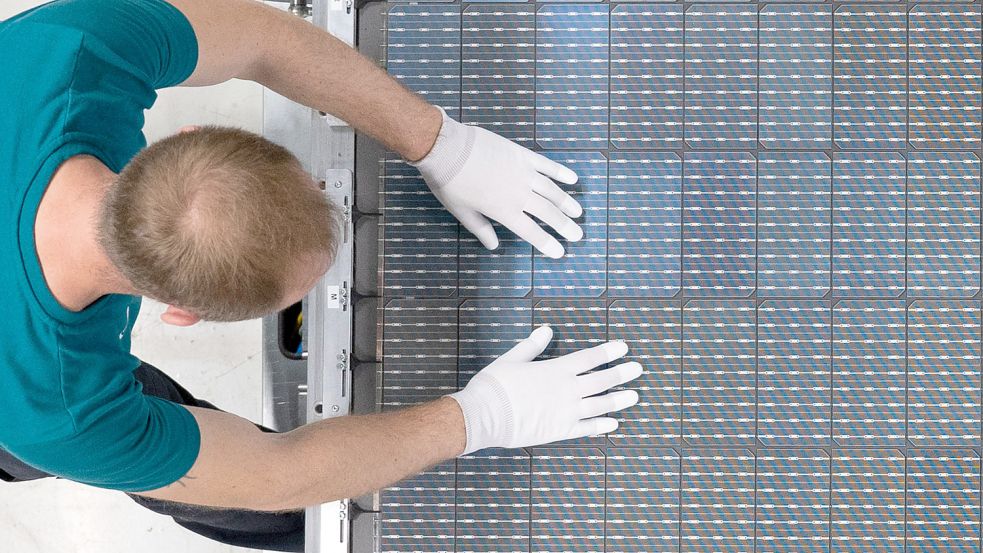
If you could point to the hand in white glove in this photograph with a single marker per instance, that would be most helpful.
(478, 175)
(518, 402)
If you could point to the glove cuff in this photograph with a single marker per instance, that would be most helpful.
(488, 417)
(453, 147)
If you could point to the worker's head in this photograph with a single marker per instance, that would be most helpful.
(221, 224)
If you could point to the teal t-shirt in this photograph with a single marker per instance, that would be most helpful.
(76, 78)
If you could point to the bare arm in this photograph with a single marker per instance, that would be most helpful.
(241, 467)
(244, 39)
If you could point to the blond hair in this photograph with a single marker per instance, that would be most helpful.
(216, 221)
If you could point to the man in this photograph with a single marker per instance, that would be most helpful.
(224, 225)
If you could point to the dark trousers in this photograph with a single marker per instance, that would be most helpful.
(271, 531)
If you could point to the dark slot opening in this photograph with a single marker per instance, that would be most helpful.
(291, 322)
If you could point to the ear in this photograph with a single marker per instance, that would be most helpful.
(179, 317)
(188, 128)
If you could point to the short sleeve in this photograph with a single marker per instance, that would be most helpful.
(151, 36)
(139, 443)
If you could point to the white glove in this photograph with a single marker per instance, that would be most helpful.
(476, 174)
(518, 402)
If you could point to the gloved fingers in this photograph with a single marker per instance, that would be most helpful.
(552, 192)
(552, 169)
(544, 210)
(584, 360)
(530, 348)
(602, 381)
(595, 426)
(608, 403)
(477, 225)
(528, 230)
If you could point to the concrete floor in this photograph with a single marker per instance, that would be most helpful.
(218, 362)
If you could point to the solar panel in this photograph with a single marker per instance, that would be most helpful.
(867, 502)
(795, 73)
(943, 500)
(493, 508)
(642, 501)
(567, 500)
(793, 224)
(721, 75)
(782, 216)
(572, 76)
(717, 501)
(647, 76)
(718, 224)
(943, 224)
(869, 217)
(644, 224)
(793, 373)
(869, 373)
(792, 500)
(419, 351)
(870, 99)
(719, 372)
(945, 82)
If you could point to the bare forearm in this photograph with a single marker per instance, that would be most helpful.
(352, 456)
(326, 74)
(245, 39)
(240, 467)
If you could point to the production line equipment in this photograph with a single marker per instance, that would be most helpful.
(782, 217)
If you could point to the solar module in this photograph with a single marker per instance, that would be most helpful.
(782, 217)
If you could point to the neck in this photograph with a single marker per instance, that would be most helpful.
(75, 266)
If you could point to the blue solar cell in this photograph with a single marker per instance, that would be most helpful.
(717, 501)
(644, 224)
(793, 224)
(418, 513)
(647, 76)
(487, 329)
(419, 351)
(642, 501)
(868, 224)
(719, 224)
(870, 77)
(567, 500)
(498, 70)
(794, 373)
(869, 373)
(582, 271)
(721, 75)
(507, 271)
(944, 60)
(419, 237)
(493, 508)
(792, 500)
(943, 224)
(944, 373)
(943, 500)
(796, 76)
(719, 372)
(652, 331)
(868, 501)
(572, 76)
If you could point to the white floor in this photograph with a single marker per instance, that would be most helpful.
(218, 362)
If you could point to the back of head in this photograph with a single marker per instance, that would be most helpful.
(217, 221)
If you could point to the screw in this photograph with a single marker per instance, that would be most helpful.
(335, 408)
(340, 366)
(337, 184)
(341, 357)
